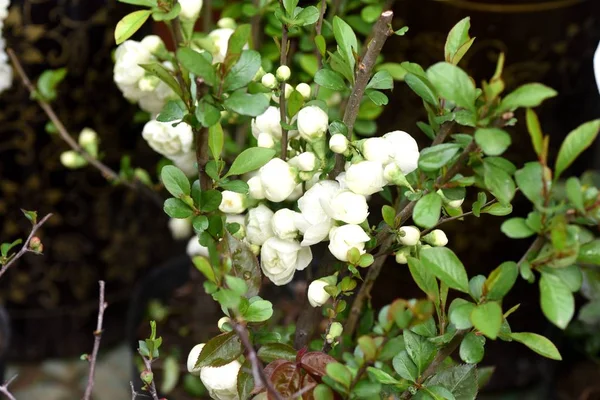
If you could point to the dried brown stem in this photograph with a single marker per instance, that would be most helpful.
(282, 111)
(257, 369)
(97, 338)
(25, 248)
(381, 31)
(106, 171)
(4, 389)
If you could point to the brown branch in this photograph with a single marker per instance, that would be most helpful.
(4, 389)
(151, 386)
(257, 369)
(283, 61)
(106, 171)
(207, 15)
(256, 27)
(202, 157)
(381, 31)
(134, 394)
(97, 338)
(25, 248)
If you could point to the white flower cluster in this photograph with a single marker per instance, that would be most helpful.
(410, 238)
(136, 84)
(6, 73)
(173, 142)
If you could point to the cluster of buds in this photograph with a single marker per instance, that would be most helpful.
(410, 237)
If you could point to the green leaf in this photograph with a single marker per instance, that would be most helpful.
(346, 40)
(389, 215)
(243, 103)
(423, 88)
(405, 366)
(146, 3)
(453, 84)
(535, 131)
(458, 36)
(30, 215)
(276, 351)
(460, 313)
(290, 6)
(498, 182)
(516, 228)
(175, 208)
(381, 376)
(200, 223)
(574, 144)
(164, 75)
(6, 247)
(377, 97)
(130, 24)
(530, 180)
(220, 350)
(435, 157)
(210, 200)
(236, 43)
(174, 110)
(237, 186)
(424, 279)
(323, 392)
(243, 71)
(537, 343)
(472, 348)
(203, 265)
(175, 181)
(198, 65)
(589, 253)
(216, 139)
(368, 347)
(381, 80)
(250, 159)
(529, 95)
(339, 373)
(371, 13)
(244, 262)
(575, 193)
(170, 373)
(557, 300)
(421, 351)
(498, 209)
(207, 114)
(427, 210)
(571, 276)
(446, 266)
(460, 380)
(295, 103)
(493, 141)
(501, 280)
(259, 311)
(167, 16)
(395, 70)
(48, 82)
(307, 16)
(245, 382)
(487, 319)
(330, 79)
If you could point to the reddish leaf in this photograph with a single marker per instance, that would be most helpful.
(308, 382)
(301, 354)
(268, 371)
(315, 362)
(286, 379)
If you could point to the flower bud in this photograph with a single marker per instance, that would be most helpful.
(338, 143)
(224, 324)
(265, 140)
(346, 237)
(180, 228)
(283, 224)
(283, 73)
(259, 74)
(71, 159)
(221, 382)
(152, 43)
(258, 225)
(376, 149)
(35, 244)
(317, 296)
(402, 255)
(256, 190)
(335, 330)
(269, 81)
(226, 23)
(437, 238)
(409, 235)
(304, 89)
(88, 137)
(312, 123)
(306, 161)
(255, 249)
(306, 176)
(147, 376)
(232, 202)
(278, 179)
(456, 203)
(288, 89)
(190, 9)
(193, 358)
(393, 174)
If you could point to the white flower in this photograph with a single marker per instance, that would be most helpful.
(404, 150)
(232, 202)
(267, 122)
(190, 9)
(221, 382)
(315, 223)
(283, 224)
(317, 296)
(256, 190)
(258, 224)
(71, 159)
(283, 73)
(167, 140)
(265, 140)
(193, 358)
(87, 137)
(180, 228)
(312, 122)
(194, 248)
(269, 81)
(153, 42)
(304, 89)
(296, 193)
(437, 238)
(365, 177)
(220, 38)
(226, 23)
(346, 237)
(281, 258)
(128, 57)
(409, 235)
(278, 179)
(377, 149)
(348, 207)
(306, 161)
(287, 90)
(402, 255)
(186, 162)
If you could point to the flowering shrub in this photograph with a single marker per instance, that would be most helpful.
(268, 160)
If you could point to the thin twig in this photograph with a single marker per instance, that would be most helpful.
(106, 171)
(207, 16)
(25, 248)
(448, 219)
(257, 369)
(97, 338)
(151, 386)
(282, 111)
(134, 394)
(4, 389)
(381, 31)
(318, 30)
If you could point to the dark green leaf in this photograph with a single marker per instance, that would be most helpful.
(377, 97)
(458, 36)
(498, 182)
(530, 180)
(243, 103)
(198, 65)
(461, 380)
(242, 71)
(435, 157)
(245, 381)
(423, 88)
(574, 144)
(276, 351)
(427, 210)
(236, 43)
(346, 40)
(295, 103)
(501, 280)
(210, 200)
(453, 84)
(164, 75)
(220, 350)
(493, 141)
(130, 24)
(405, 366)
(487, 319)
(250, 159)
(589, 253)
(472, 348)
(537, 343)
(235, 186)
(421, 351)
(447, 267)
(175, 181)
(330, 79)
(174, 110)
(424, 279)
(535, 131)
(528, 95)
(557, 300)
(200, 223)
(216, 139)
(176, 208)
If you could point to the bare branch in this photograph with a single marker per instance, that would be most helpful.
(97, 338)
(202, 157)
(4, 389)
(151, 386)
(106, 171)
(25, 248)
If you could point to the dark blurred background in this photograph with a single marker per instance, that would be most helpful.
(104, 232)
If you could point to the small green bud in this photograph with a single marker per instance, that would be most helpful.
(269, 81)
(335, 331)
(283, 73)
(147, 377)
